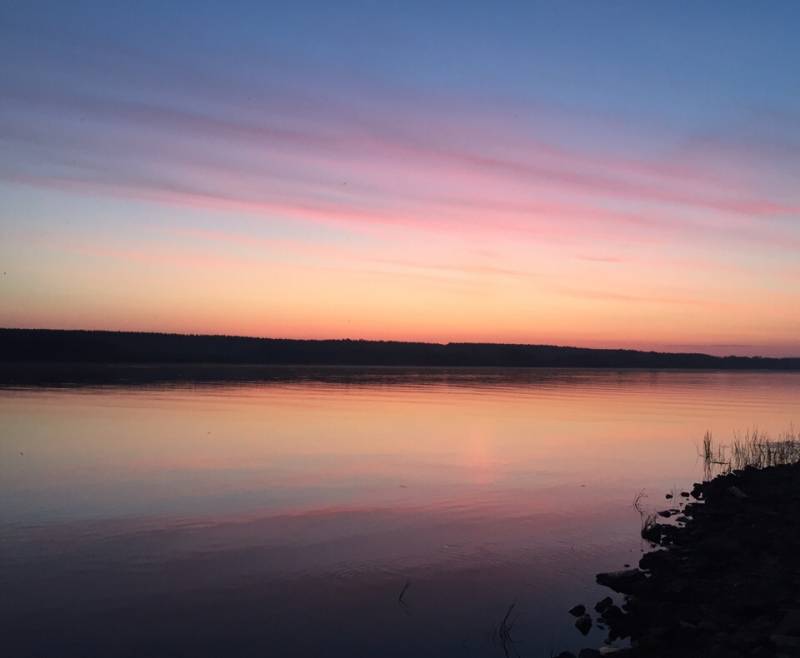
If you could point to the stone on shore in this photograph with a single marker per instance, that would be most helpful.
(602, 605)
(584, 624)
(626, 582)
(725, 583)
(589, 653)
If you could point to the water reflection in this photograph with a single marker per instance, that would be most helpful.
(285, 516)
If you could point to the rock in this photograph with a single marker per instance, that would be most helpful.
(578, 610)
(707, 626)
(721, 546)
(612, 614)
(724, 581)
(781, 641)
(761, 652)
(625, 582)
(653, 533)
(745, 638)
(604, 604)
(676, 585)
(685, 494)
(665, 513)
(669, 496)
(589, 653)
(737, 492)
(790, 624)
(584, 625)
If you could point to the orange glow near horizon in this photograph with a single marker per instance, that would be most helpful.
(440, 289)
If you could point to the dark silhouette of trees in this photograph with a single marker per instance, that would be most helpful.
(70, 346)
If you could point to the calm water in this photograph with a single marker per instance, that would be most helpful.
(283, 518)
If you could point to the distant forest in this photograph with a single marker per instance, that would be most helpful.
(111, 347)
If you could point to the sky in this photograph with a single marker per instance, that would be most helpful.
(618, 174)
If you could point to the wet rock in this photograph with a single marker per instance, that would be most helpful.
(612, 615)
(669, 496)
(736, 492)
(583, 624)
(721, 545)
(685, 494)
(625, 582)
(724, 583)
(791, 642)
(653, 533)
(707, 626)
(790, 624)
(603, 605)
(589, 653)
(745, 637)
(578, 610)
(677, 585)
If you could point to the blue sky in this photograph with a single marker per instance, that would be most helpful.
(393, 158)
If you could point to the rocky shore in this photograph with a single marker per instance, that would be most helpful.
(722, 580)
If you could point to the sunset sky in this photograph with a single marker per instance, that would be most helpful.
(590, 173)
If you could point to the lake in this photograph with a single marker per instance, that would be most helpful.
(285, 516)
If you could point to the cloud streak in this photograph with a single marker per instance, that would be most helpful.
(331, 177)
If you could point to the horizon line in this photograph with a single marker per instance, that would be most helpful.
(400, 342)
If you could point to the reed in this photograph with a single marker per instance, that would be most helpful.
(650, 530)
(502, 633)
(750, 449)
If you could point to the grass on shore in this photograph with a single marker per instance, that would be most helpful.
(648, 519)
(752, 449)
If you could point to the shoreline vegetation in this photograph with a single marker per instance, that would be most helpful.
(73, 348)
(722, 578)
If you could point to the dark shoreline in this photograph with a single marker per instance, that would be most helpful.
(110, 347)
(722, 581)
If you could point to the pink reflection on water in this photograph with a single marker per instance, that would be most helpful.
(288, 503)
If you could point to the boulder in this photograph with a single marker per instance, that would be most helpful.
(790, 624)
(602, 605)
(589, 653)
(736, 492)
(625, 582)
(584, 624)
